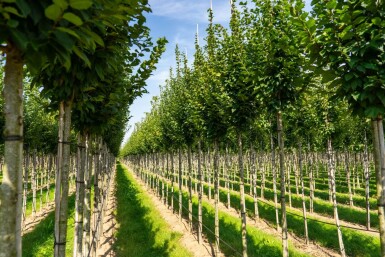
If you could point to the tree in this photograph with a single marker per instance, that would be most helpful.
(345, 40)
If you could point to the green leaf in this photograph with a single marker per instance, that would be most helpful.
(68, 31)
(73, 18)
(95, 37)
(376, 21)
(332, 4)
(23, 7)
(63, 39)
(12, 23)
(19, 38)
(82, 56)
(12, 10)
(53, 12)
(347, 33)
(346, 18)
(80, 4)
(62, 3)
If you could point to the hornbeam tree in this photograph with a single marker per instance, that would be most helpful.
(239, 86)
(282, 78)
(346, 41)
(29, 35)
(64, 85)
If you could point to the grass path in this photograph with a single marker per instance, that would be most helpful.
(140, 231)
(39, 242)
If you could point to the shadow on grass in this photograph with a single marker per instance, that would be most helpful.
(140, 231)
(39, 242)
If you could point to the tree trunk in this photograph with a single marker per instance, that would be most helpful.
(379, 161)
(242, 192)
(200, 193)
(87, 199)
(97, 193)
(313, 164)
(25, 187)
(216, 196)
(348, 177)
(254, 181)
(49, 170)
(61, 210)
(11, 186)
(34, 183)
(367, 177)
(189, 187)
(209, 172)
(79, 203)
(172, 180)
(180, 183)
(227, 177)
(274, 180)
(332, 182)
(285, 245)
(302, 192)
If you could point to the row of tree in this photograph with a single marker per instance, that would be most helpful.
(277, 62)
(88, 59)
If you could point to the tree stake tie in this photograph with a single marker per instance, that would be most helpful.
(64, 142)
(13, 138)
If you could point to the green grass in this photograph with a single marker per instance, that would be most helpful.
(39, 242)
(259, 242)
(356, 243)
(141, 232)
(321, 206)
(28, 210)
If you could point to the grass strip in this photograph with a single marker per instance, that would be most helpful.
(259, 243)
(323, 207)
(356, 243)
(39, 242)
(141, 232)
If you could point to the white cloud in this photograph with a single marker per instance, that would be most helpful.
(193, 11)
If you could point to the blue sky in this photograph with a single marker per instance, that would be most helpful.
(176, 20)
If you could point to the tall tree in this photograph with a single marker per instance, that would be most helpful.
(345, 40)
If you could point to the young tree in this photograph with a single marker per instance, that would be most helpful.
(345, 40)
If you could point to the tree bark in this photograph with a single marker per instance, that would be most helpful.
(62, 188)
(228, 171)
(11, 186)
(87, 200)
(302, 192)
(189, 167)
(180, 182)
(379, 161)
(242, 192)
(34, 183)
(200, 193)
(285, 245)
(274, 180)
(216, 196)
(332, 182)
(367, 177)
(254, 181)
(79, 203)
(348, 177)
(25, 187)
